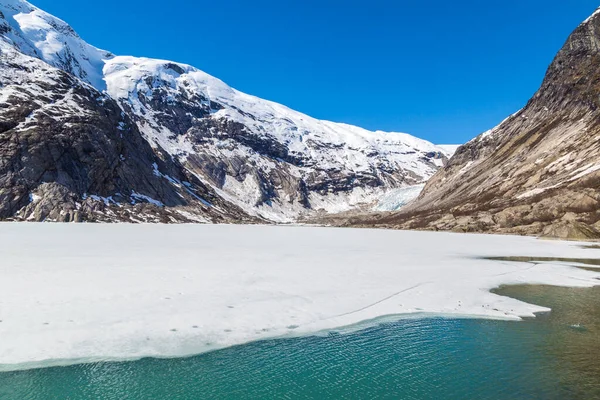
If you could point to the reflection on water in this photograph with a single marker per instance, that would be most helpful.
(554, 356)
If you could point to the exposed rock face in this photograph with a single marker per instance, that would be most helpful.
(89, 136)
(537, 173)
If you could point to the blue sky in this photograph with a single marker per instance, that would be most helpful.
(445, 71)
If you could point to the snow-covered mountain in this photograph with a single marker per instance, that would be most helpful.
(205, 140)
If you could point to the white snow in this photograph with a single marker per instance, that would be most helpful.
(106, 200)
(466, 167)
(536, 191)
(39, 34)
(34, 198)
(588, 19)
(72, 293)
(449, 149)
(583, 171)
(492, 132)
(143, 197)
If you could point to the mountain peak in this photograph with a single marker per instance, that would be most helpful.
(36, 33)
(594, 15)
(573, 76)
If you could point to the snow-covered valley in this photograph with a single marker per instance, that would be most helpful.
(73, 293)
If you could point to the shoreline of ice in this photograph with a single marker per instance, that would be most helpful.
(85, 293)
(343, 330)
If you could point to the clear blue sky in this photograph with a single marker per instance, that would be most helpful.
(442, 70)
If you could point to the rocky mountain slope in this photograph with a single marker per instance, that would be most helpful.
(538, 172)
(87, 135)
(68, 153)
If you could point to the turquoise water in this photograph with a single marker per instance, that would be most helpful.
(555, 356)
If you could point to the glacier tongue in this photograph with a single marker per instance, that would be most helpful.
(397, 198)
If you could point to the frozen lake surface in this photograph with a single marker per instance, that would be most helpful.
(75, 293)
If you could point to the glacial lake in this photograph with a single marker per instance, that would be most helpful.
(554, 356)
